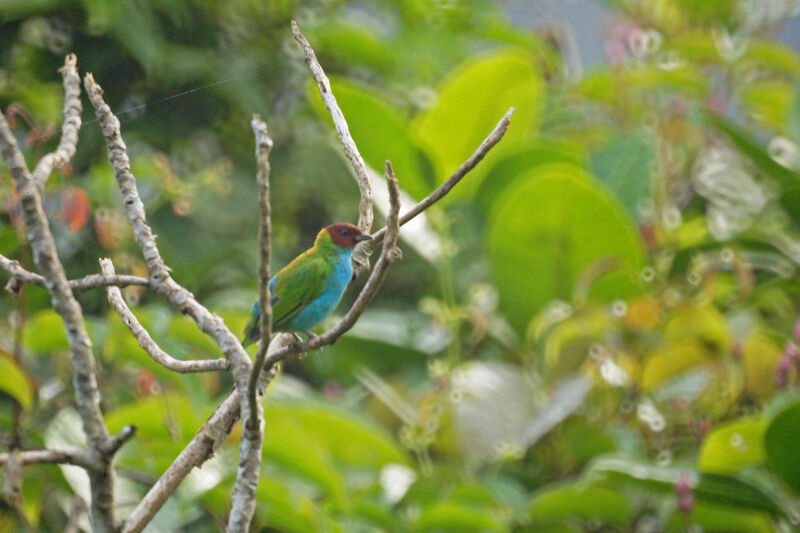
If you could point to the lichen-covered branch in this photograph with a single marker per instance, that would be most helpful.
(199, 450)
(182, 299)
(145, 340)
(160, 279)
(69, 129)
(45, 256)
(77, 456)
(20, 276)
(263, 149)
(365, 213)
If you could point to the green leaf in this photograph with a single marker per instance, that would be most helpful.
(289, 510)
(45, 333)
(733, 446)
(380, 133)
(788, 180)
(344, 437)
(571, 501)
(471, 102)
(724, 518)
(794, 118)
(304, 459)
(448, 516)
(707, 488)
(14, 382)
(781, 445)
(548, 230)
(518, 162)
(625, 167)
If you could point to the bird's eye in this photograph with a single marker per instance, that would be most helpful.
(345, 232)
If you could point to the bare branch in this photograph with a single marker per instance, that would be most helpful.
(113, 444)
(365, 214)
(390, 253)
(11, 489)
(77, 456)
(118, 155)
(160, 279)
(69, 129)
(45, 256)
(20, 276)
(263, 149)
(145, 341)
(487, 144)
(249, 470)
(199, 450)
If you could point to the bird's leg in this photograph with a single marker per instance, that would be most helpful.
(311, 336)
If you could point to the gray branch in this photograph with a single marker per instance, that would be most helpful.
(145, 340)
(20, 276)
(199, 450)
(365, 214)
(182, 299)
(263, 149)
(160, 279)
(45, 256)
(69, 129)
(78, 456)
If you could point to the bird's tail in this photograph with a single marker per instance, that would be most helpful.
(253, 328)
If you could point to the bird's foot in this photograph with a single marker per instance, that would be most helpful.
(298, 340)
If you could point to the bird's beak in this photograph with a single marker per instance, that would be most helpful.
(363, 237)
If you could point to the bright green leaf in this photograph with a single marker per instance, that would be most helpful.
(471, 102)
(45, 333)
(548, 231)
(346, 438)
(518, 162)
(733, 446)
(380, 133)
(457, 518)
(565, 502)
(14, 382)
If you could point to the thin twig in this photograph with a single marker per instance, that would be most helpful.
(77, 456)
(263, 149)
(69, 129)
(487, 144)
(145, 340)
(365, 214)
(243, 501)
(20, 276)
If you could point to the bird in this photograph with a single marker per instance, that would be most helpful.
(308, 289)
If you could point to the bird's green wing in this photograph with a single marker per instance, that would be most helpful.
(297, 285)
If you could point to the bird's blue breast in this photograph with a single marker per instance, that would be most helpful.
(335, 285)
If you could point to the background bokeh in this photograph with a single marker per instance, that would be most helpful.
(595, 331)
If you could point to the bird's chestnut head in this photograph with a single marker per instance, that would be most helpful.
(346, 235)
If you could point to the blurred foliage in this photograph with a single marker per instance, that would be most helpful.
(597, 331)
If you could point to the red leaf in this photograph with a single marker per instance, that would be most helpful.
(74, 208)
